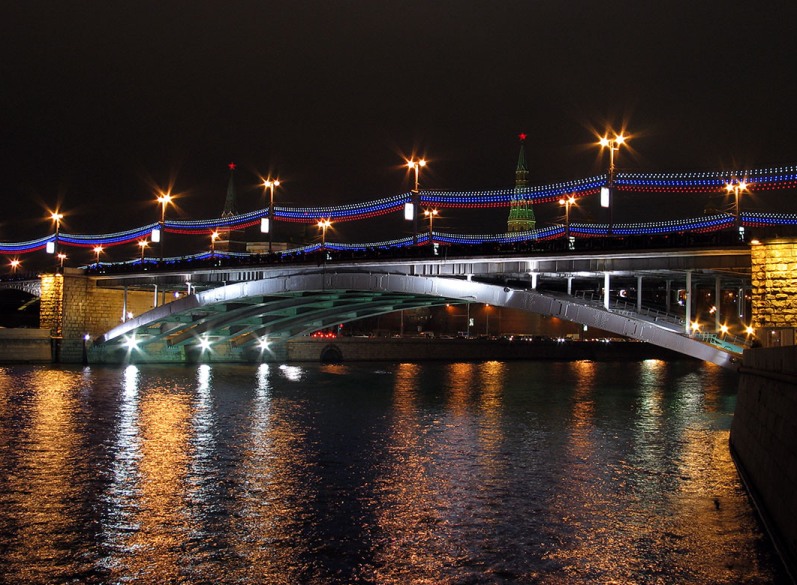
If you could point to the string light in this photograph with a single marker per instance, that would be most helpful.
(676, 183)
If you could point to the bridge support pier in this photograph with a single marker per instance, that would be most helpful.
(606, 289)
(717, 303)
(72, 306)
(774, 291)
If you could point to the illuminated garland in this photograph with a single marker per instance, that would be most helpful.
(504, 197)
(25, 247)
(705, 182)
(697, 182)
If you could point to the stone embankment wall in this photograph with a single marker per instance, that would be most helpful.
(764, 441)
(20, 346)
(423, 349)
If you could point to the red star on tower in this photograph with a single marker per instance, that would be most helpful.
(232, 166)
(522, 137)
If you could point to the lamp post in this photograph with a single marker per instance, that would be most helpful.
(143, 245)
(737, 188)
(213, 237)
(164, 199)
(56, 217)
(613, 144)
(323, 225)
(14, 265)
(416, 165)
(61, 258)
(97, 252)
(430, 213)
(270, 185)
(567, 202)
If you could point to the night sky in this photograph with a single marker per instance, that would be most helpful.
(103, 103)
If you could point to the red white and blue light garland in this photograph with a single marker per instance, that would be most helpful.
(694, 182)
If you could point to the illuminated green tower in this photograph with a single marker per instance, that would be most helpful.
(521, 215)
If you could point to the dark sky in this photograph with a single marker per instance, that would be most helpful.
(104, 102)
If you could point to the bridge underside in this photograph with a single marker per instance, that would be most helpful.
(248, 321)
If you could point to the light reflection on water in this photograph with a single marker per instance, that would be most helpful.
(487, 472)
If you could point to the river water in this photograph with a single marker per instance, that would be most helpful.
(494, 472)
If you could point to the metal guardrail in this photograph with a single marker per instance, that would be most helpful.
(730, 343)
(631, 308)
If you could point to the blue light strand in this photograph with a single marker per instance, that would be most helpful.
(768, 178)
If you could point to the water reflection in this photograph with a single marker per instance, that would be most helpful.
(152, 552)
(397, 473)
(267, 520)
(43, 499)
(410, 544)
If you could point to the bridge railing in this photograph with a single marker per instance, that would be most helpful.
(655, 315)
(732, 343)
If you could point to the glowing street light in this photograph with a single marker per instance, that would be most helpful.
(213, 237)
(323, 225)
(431, 213)
(97, 252)
(737, 188)
(14, 265)
(143, 245)
(61, 257)
(56, 217)
(613, 144)
(164, 199)
(567, 202)
(415, 165)
(266, 225)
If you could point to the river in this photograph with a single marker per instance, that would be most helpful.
(395, 473)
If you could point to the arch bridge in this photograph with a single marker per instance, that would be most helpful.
(245, 314)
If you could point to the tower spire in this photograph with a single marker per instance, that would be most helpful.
(521, 215)
(230, 240)
(229, 202)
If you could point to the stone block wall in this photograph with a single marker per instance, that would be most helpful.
(18, 346)
(774, 291)
(764, 440)
(72, 306)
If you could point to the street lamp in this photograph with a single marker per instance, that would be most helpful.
(61, 258)
(270, 185)
(213, 237)
(430, 213)
(737, 188)
(416, 166)
(323, 225)
(164, 199)
(143, 245)
(613, 144)
(56, 217)
(14, 265)
(567, 202)
(98, 251)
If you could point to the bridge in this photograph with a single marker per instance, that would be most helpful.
(246, 313)
(234, 306)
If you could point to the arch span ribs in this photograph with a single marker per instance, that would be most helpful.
(239, 315)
